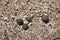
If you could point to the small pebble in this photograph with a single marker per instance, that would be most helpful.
(19, 21)
(25, 26)
(45, 18)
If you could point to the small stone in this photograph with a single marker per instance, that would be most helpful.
(25, 26)
(45, 18)
(19, 21)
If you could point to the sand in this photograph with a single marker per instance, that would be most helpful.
(10, 10)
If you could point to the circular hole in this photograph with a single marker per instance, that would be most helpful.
(25, 26)
(45, 19)
(19, 21)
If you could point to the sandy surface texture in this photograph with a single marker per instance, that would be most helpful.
(35, 28)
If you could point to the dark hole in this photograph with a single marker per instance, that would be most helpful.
(19, 21)
(25, 26)
(45, 19)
